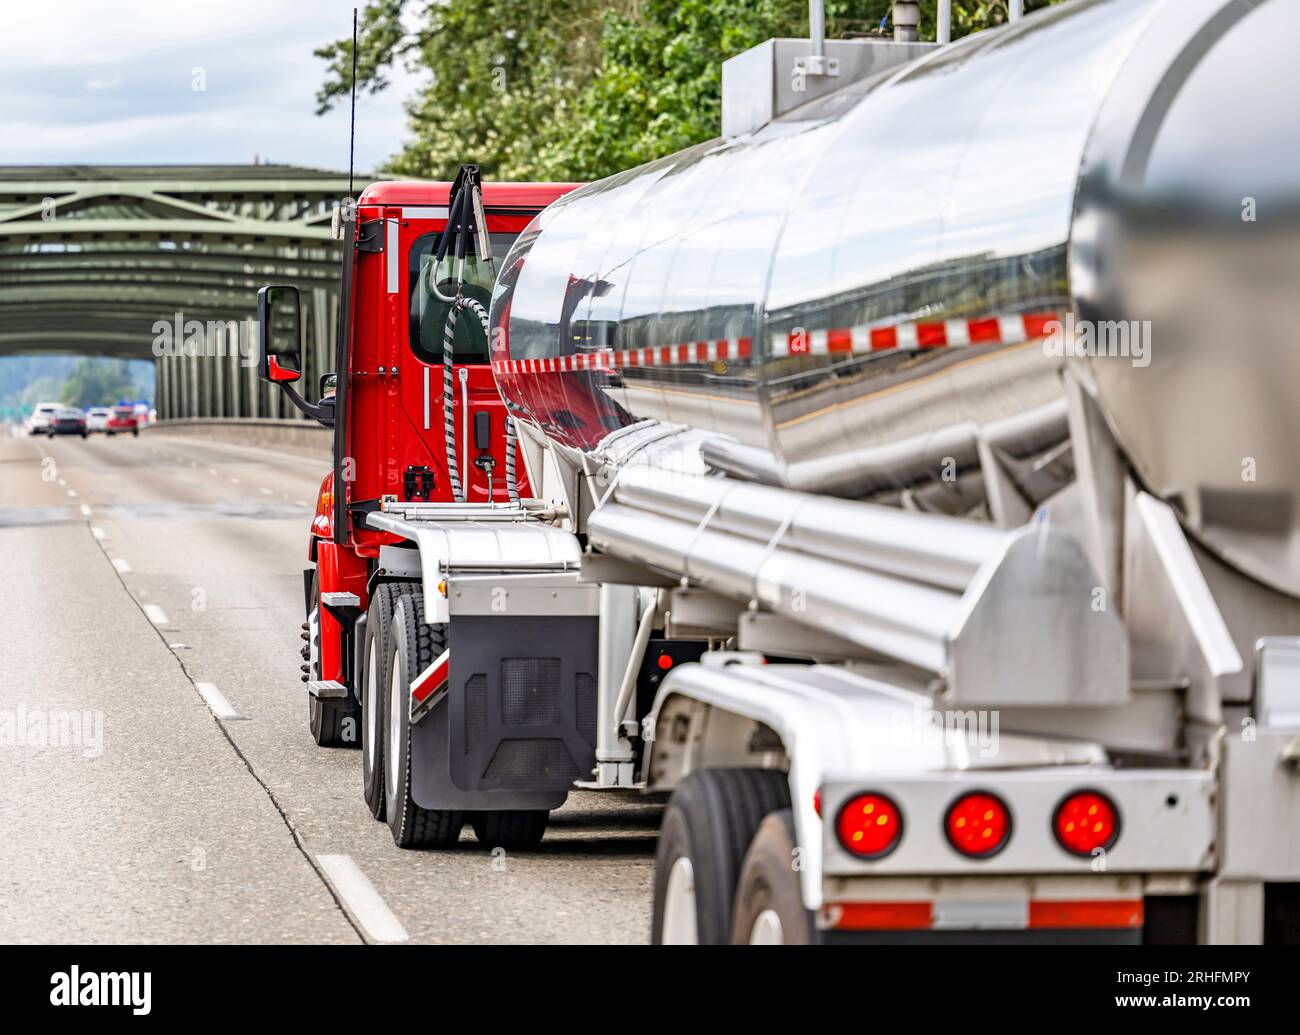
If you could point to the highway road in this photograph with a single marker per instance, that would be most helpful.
(160, 783)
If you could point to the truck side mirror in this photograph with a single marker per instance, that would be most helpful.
(280, 321)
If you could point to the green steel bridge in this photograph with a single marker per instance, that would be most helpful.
(116, 260)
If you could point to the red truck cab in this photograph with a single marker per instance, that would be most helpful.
(387, 399)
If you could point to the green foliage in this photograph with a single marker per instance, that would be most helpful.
(97, 382)
(582, 89)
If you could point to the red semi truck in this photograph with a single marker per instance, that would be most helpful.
(426, 489)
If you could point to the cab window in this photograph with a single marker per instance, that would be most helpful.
(429, 312)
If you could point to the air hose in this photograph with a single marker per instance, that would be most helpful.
(460, 304)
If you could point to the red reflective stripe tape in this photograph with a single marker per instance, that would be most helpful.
(927, 335)
(884, 338)
(433, 678)
(1086, 913)
(881, 916)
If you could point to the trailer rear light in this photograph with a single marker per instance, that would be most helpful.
(869, 826)
(978, 825)
(1086, 821)
(665, 662)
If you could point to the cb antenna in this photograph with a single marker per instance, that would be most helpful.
(352, 135)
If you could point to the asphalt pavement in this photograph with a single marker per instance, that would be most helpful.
(159, 780)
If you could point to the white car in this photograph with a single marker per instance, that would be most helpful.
(39, 422)
(97, 418)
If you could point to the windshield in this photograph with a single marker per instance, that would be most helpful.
(429, 313)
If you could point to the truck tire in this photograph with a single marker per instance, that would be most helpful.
(373, 680)
(332, 723)
(412, 648)
(512, 829)
(708, 825)
(769, 907)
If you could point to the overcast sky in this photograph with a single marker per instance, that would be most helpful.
(85, 82)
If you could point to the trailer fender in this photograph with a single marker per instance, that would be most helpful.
(486, 546)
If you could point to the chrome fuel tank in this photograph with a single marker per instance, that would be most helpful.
(876, 293)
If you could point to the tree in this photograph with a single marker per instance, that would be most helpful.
(536, 89)
(97, 382)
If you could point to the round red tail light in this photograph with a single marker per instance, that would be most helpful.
(869, 826)
(978, 824)
(1086, 821)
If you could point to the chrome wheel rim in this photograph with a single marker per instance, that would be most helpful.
(679, 905)
(767, 929)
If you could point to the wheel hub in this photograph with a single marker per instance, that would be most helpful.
(679, 926)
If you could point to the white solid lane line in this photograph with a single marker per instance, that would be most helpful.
(122, 566)
(155, 614)
(362, 900)
(216, 701)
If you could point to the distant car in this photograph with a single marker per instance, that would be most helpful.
(68, 422)
(97, 418)
(39, 422)
(122, 420)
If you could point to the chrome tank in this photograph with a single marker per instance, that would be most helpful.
(866, 297)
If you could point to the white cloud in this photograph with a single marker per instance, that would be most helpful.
(156, 81)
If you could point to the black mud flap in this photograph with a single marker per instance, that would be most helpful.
(518, 722)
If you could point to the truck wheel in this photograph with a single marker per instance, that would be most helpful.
(512, 829)
(332, 724)
(708, 826)
(374, 686)
(413, 647)
(769, 907)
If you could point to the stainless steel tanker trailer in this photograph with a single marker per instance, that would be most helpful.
(949, 418)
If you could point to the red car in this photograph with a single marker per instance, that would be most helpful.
(122, 420)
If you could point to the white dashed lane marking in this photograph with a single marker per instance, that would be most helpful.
(361, 899)
(216, 701)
